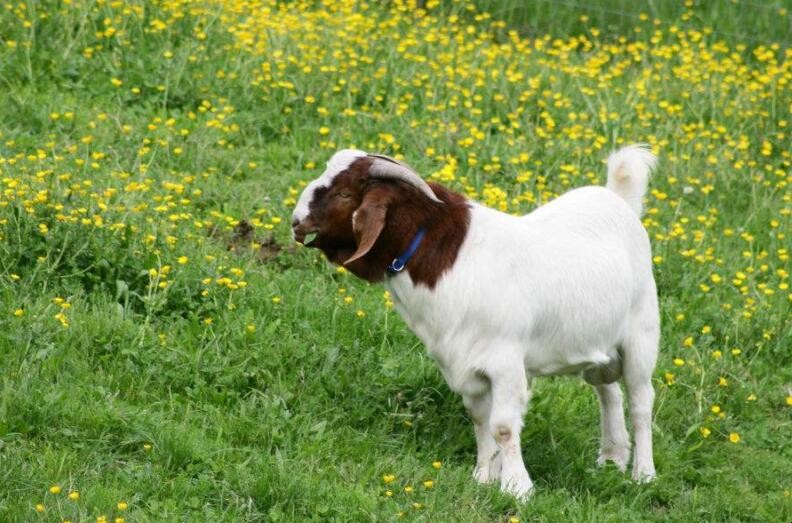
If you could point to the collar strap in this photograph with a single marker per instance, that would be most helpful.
(397, 265)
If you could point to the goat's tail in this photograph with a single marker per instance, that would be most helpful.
(628, 173)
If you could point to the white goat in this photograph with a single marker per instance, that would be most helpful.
(498, 299)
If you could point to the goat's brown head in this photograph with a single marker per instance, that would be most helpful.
(346, 209)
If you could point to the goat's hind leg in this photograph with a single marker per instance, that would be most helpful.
(639, 355)
(614, 439)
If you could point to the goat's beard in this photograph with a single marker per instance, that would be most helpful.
(337, 254)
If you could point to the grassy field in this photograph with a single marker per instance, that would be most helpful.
(168, 354)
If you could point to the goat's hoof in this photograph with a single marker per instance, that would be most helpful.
(489, 471)
(620, 456)
(643, 474)
(482, 474)
(519, 485)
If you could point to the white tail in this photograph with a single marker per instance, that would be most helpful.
(628, 173)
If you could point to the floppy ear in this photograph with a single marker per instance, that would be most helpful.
(368, 221)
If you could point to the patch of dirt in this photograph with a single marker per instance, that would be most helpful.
(242, 240)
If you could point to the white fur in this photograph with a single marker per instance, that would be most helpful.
(338, 163)
(628, 173)
(566, 289)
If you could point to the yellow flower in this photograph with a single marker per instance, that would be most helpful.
(437, 464)
(428, 484)
(789, 400)
(116, 82)
(715, 409)
(39, 507)
(55, 489)
(19, 313)
(360, 313)
(679, 362)
(388, 479)
(74, 495)
(734, 437)
(705, 432)
(122, 505)
(276, 299)
(408, 489)
(183, 260)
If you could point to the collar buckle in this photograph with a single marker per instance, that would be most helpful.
(397, 265)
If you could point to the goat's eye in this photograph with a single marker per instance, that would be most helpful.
(343, 194)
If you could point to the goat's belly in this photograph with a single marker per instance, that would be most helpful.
(553, 363)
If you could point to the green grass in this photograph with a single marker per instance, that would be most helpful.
(135, 366)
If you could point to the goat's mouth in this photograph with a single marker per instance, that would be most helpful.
(308, 238)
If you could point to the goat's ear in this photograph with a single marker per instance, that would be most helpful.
(368, 221)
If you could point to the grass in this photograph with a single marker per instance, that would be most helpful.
(164, 345)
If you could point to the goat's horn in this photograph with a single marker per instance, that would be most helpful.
(386, 167)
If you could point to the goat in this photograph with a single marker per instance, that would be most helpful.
(499, 299)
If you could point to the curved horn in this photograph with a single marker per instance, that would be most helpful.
(386, 167)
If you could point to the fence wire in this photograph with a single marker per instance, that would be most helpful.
(632, 15)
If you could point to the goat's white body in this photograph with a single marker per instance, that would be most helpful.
(566, 289)
(554, 288)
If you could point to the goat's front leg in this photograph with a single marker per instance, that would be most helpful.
(510, 396)
(488, 458)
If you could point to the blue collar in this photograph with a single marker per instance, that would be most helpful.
(398, 264)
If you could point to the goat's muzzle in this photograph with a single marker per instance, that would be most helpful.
(300, 232)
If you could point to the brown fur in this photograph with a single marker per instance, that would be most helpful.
(400, 210)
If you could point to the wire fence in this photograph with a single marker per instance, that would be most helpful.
(776, 11)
